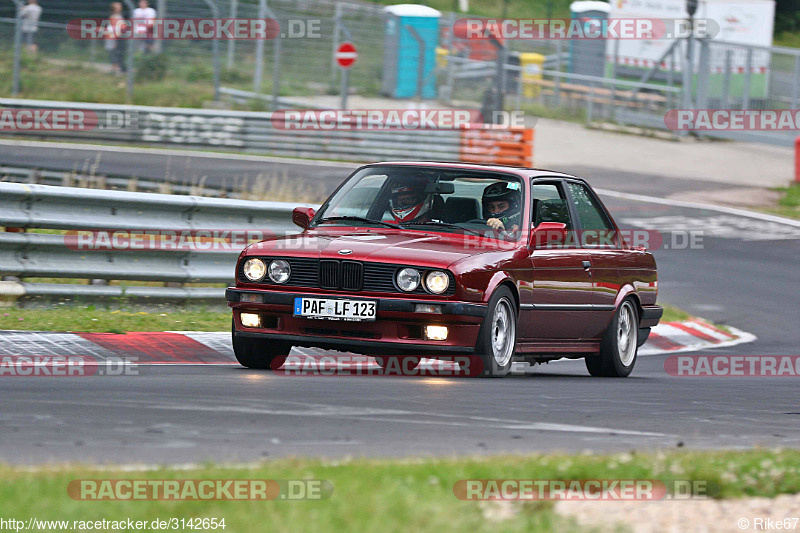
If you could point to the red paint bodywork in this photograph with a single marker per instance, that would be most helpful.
(540, 279)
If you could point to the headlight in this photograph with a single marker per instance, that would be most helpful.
(279, 271)
(437, 281)
(254, 269)
(408, 279)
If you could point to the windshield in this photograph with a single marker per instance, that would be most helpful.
(445, 200)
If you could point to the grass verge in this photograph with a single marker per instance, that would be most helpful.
(399, 494)
(97, 319)
(102, 320)
(789, 203)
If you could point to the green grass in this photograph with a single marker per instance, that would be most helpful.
(674, 314)
(790, 39)
(44, 80)
(101, 319)
(789, 203)
(97, 319)
(399, 494)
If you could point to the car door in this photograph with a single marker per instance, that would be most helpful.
(559, 291)
(600, 240)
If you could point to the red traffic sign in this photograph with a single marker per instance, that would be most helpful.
(346, 55)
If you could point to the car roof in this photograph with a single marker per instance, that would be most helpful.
(524, 172)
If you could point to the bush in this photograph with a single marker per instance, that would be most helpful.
(230, 75)
(199, 72)
(151, 67)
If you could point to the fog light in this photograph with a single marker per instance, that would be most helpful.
(252, 320)
(436, 333)
(428, 308)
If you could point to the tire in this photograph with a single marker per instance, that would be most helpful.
(498, 335)
(260, 354)
(619, 345)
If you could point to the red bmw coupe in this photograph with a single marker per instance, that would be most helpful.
(423, 258)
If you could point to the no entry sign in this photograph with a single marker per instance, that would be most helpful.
(346, 55)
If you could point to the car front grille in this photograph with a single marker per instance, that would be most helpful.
(353, 276)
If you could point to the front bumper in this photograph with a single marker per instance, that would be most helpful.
(397, 328)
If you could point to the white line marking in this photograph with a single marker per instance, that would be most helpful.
(698, 205)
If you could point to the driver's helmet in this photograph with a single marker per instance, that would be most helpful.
(409, 201)
(507, 191)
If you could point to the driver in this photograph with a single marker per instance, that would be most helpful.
(409, 202)
(501, 206)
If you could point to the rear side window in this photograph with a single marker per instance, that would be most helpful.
(597, 228)
(549, 205)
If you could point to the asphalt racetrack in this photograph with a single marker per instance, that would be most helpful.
(745, 275)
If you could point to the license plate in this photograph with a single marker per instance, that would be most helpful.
(335, 309)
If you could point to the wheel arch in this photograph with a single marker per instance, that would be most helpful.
(625, 292)
(502, 279)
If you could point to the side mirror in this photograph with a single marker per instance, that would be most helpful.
(549, 232)
(302, 216)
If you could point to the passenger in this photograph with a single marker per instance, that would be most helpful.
(501, 206)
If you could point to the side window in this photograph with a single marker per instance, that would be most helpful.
(597, 228)
(549, 205)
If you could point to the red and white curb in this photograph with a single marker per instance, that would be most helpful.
(214, 348)
(691, 335)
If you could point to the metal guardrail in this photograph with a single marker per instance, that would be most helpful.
(255, 132)
(43, 255)
(90, 180)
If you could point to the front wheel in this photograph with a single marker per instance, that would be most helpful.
(260, 354)
(498, 334)
(619, 345)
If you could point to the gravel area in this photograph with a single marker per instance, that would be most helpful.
(687, 516)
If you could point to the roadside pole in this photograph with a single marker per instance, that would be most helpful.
(346, 56)
(129, 58)
(15, 86)
(232, 42)
(215, 49)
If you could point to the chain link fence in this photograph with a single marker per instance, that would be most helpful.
(590, 80)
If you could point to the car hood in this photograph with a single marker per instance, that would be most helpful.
(401, 247)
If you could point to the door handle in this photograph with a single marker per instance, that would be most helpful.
(587, 265)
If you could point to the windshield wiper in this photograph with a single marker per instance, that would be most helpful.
(444, 225)
(358, 219)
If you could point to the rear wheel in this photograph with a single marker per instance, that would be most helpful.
(619, 346)
(261, 354)
(498, 334)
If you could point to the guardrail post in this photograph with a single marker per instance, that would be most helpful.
(276, 69)
(129, 58)
(557, 81)
(215, 49)
(702, 75)
(795, 82)
(232, 42)
(15, 86)
(748, 71)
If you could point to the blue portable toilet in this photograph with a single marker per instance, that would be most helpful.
(588, 56)
(401, 51)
